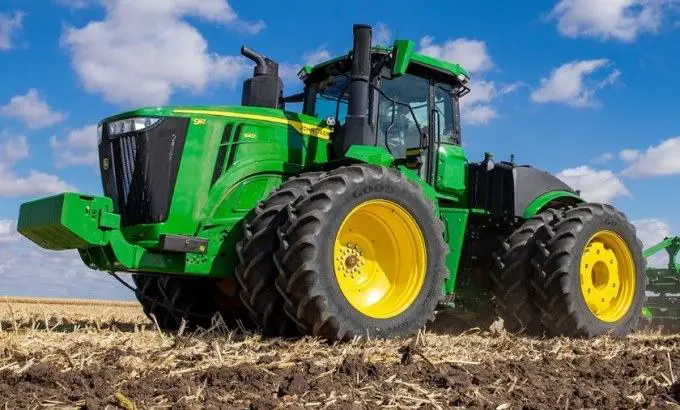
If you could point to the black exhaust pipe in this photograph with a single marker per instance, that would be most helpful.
(357, 130)
(260, 63)
(265, 88)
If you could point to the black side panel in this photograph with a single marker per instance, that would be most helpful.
(143, 170)
(221, 153)
(530, 183)
(234, 146)
(506, 190)
(492, 189)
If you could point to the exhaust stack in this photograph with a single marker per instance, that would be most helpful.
(357, 130)
(265, 88)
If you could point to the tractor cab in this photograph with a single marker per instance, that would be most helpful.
(413, 100)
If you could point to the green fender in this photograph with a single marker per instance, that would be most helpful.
(370, 155)
(540, 202)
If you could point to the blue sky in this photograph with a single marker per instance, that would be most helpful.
(584, 89)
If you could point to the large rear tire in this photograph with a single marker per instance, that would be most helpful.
(590, 273)
(256, 271)
(512, 273)
(362, 254)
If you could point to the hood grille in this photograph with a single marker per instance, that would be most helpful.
(139, 170)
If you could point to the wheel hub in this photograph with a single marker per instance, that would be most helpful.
(607, 276)
(379, 258)
(352, 260)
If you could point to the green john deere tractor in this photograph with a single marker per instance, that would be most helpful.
(359, 215)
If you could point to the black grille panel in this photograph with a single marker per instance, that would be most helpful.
(142, 170)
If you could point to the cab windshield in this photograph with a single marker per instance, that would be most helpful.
(328, 98)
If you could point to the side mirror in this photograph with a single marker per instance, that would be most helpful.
(424, 139)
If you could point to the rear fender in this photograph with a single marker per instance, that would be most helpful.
(547, 199)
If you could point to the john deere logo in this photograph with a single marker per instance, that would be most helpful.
(105, 164)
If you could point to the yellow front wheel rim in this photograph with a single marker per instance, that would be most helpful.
(380, 259)
(608, 276)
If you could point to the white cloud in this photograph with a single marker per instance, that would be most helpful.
(621, 20)
(603, 158)
(382, 34)
(79, 147)
(478, 114)
(511, 88)
(13, 149)
(251, 28)
(657, 160)
(472, 55)
(8, 231)
(650, 232)
(131, 59)
(629, 155)
(32, 110)
(28, 270)
(35, 183)
(9, 26)
(74, 4)
(480, 92)
(317, 56)
(567, 84)
(611, 79)
(595, 185)
(474, 107)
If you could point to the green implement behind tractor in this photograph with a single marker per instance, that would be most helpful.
(358, 216)
(662, 310)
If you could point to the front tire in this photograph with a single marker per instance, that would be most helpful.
(362, 254)
(196, 302)
(590, 273)
(256, 271)
(151, 299)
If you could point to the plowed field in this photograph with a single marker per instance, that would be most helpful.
(81, 354)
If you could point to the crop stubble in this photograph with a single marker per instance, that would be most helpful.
(94, 355)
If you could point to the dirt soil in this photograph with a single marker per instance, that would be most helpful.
(129, 367)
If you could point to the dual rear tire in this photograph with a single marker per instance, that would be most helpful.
(358, 251)
(575, 272)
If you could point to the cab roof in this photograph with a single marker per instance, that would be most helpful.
(451, 69)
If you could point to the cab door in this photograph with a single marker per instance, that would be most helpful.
(450, 160)
(403, 119)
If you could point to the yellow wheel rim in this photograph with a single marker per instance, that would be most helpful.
(608, 275)
(380, 259)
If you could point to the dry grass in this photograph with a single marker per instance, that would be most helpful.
(113, 365)
(59, 314)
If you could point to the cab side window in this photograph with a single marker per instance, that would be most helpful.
(330, 98)
(402, 113)
(446, 126)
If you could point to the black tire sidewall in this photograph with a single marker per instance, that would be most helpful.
(402, 193)
(626, 231)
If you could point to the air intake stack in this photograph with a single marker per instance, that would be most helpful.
(265, 88)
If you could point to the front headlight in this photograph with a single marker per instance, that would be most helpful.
(130, 125)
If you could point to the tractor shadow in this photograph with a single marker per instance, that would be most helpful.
(454, 322)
